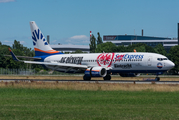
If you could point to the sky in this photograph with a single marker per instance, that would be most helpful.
(70, 21)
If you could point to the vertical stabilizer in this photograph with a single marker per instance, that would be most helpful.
(41, 46)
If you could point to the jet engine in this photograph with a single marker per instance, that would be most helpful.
(130, 74)
(96, 72)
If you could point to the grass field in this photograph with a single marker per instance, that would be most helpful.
(75, 100)
(27, 103)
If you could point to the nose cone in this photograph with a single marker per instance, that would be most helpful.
(170, 64)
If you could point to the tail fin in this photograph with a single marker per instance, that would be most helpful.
(41, 46)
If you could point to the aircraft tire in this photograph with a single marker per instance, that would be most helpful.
(157, 78)
(86, 78)
(107, 77)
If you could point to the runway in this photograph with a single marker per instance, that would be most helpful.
(93, 81)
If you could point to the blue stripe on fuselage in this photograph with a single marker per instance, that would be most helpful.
(128, 71)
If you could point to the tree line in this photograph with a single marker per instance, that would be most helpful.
(19, 50)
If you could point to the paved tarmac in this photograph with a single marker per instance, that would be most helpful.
(95, 81)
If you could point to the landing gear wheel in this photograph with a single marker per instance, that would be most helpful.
(86, 78)
(107, 77)
(157, 78)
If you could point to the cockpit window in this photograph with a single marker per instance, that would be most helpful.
(161, 59)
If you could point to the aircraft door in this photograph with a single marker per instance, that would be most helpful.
(149, 61)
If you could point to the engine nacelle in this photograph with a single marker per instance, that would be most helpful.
(130, 74)
(96, 72)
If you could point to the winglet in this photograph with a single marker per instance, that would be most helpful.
(13, 55)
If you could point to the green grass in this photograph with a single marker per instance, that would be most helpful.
(23, 103)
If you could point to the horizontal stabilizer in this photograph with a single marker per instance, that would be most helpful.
(35, 58)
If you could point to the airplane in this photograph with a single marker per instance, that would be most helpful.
(127, 64)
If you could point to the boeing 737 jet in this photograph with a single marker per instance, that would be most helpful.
(129, 64)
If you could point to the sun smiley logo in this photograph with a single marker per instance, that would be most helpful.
(37, 35)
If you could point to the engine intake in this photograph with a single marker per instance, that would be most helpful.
(96, 72)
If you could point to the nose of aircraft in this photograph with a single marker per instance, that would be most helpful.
(171, 64)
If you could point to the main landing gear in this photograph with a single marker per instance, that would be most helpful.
(107, 77)
(86, 77)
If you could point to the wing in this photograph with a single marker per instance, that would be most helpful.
(58, 64)
(68, 66)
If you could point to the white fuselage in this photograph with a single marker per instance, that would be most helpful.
(132, 62)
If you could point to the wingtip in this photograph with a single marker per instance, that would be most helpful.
(10, 49)
(13, 55)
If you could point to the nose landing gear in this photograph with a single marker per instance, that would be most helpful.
(157, 78)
